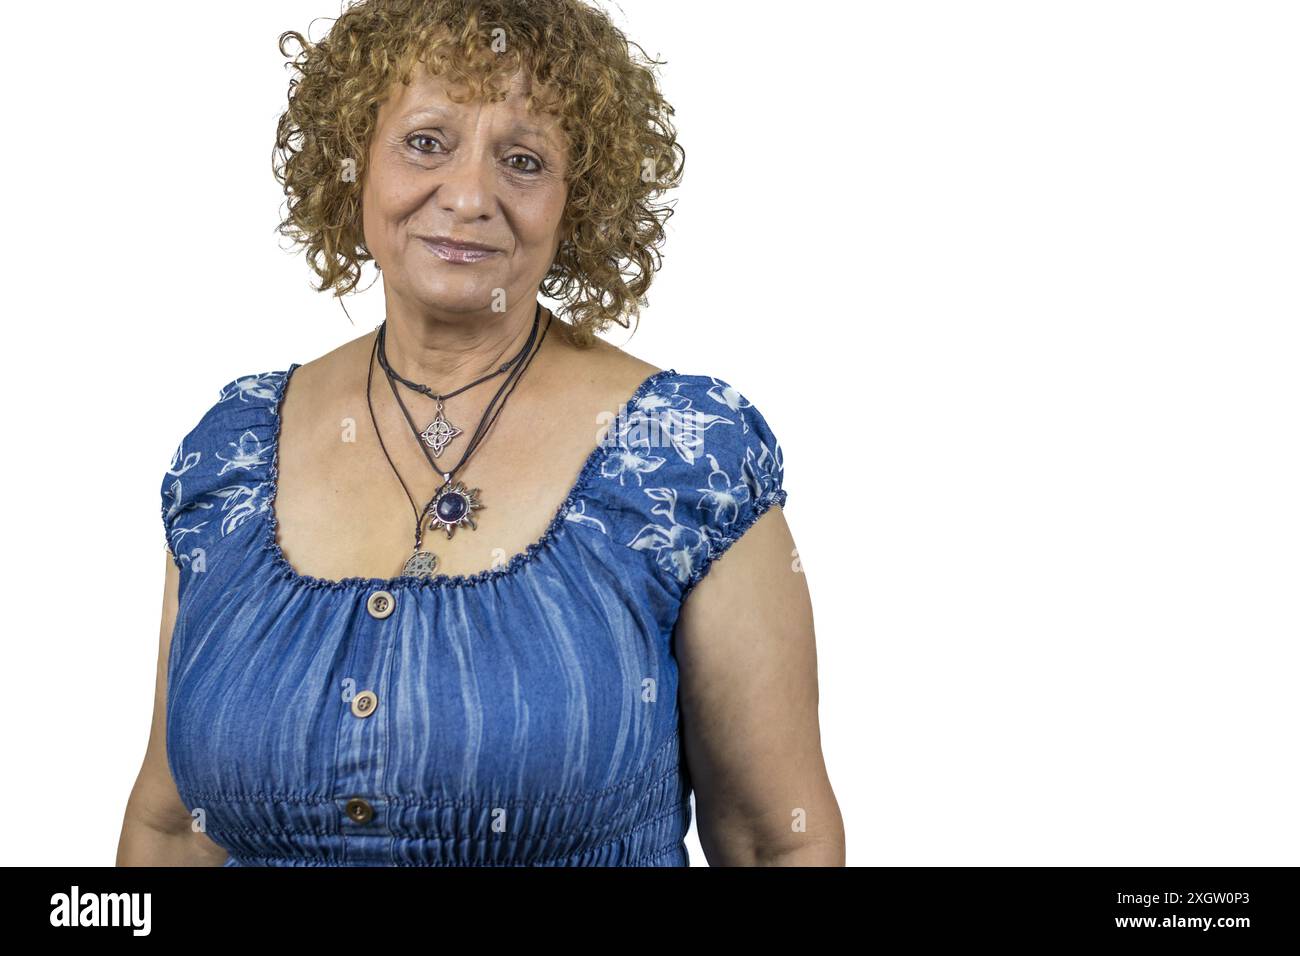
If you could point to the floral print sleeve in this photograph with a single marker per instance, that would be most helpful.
(695, 465)
(217, 476)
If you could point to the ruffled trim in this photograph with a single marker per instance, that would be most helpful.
(762, 504)
(284, 570)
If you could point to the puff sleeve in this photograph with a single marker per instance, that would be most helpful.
(216, 478)
(182, 491)
(709, 465)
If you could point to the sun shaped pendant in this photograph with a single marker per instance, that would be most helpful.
(453, 506)
(439, 433)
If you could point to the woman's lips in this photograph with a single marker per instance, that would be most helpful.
(457, 253)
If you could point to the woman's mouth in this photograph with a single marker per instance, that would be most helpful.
(452, 252)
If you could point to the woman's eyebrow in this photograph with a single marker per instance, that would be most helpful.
(515, 129)
(431, 112)
(525, 128)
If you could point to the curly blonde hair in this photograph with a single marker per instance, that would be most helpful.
(623, 150)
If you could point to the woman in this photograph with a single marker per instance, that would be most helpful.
(439, 597)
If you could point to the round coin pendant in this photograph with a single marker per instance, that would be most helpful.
(420, 564)
(454, 506)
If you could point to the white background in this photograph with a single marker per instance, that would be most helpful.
(1015, 285)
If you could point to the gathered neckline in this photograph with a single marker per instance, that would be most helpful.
(287, 571)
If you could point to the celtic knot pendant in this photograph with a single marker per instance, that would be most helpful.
(439, 433)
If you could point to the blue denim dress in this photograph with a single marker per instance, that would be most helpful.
(526, 715)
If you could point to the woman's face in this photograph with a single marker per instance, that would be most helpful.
(491, 174)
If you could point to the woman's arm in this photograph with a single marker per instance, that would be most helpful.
(156, 829)
(748, 666)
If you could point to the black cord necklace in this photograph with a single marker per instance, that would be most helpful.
(439, 432)
(452, 505)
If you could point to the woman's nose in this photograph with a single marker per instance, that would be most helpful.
(466, 183)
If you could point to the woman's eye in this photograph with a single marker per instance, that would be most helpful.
(524, 156)
(424, 143)
(422, 138)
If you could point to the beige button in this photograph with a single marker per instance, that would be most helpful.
(364, 703)
(359, 810)
(380, 604)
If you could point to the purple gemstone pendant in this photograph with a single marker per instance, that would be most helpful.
(452, 507)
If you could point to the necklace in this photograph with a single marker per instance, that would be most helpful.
(452, 505)
(439, 432)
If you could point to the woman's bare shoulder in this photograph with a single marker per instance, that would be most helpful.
(609, 371)
(339, 374)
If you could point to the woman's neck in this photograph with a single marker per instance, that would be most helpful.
(446, 353)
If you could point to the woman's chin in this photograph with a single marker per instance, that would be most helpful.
(452, 296)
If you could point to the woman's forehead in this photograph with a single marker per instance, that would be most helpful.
(427, 99)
